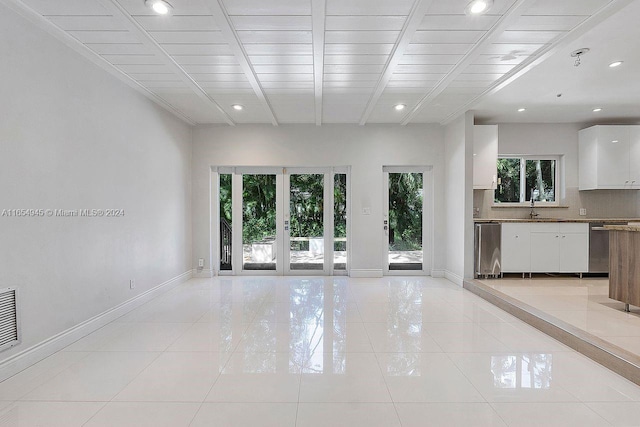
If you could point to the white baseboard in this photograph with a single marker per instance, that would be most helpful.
(453, 277)
(365, 272)
(202, 273)
(32, 355)
(437, 273)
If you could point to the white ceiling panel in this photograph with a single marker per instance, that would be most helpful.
(480, 77)
(67, 7)
(280, 91)
(281, 59)
(511, 59)
(278, 49)
(352, 69)
(198, 49)
(362, 23)
(156, 86)
(338, 99)
(457, 7)
(361, 36)
(470, 83)
(369, 7)
(285, 77)
(458, 37)
(566, 7)
(194, 107)
(112, 37)
(528, 36)
(361, 84)
(212, 69)
(438, 49)
(177, 23)
(220, 85)
(287, 85)
(342, 113)
(283, 68)
(358, 49)
(412, 83)
(155, 77)
(293, 108)
(271, 7)
(488, 69)
(512, 48)
(275, 36)
(432, 76)
(87, 23)
(351, 77)
(205, 59)
(188, 37)
(458, 22)
(133, 59)
(423, 69)
(118, 49)
(180, 7)
(356, 59)
(218, 77)
(430, 59)
(150, 69)
(278, 23)
(547, 23)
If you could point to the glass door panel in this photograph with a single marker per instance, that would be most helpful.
(259, 235)
(405, 205)
(306, 222)
(226, 215)
(340, 221)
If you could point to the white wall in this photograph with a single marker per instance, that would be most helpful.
(365, 148)
(459, 198)
(73, 137)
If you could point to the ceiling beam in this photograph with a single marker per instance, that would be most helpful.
(73, 43)
(505, 21)
(561, 43)
(132, 25)
(231, 36)
(318, 15)
(411, 24)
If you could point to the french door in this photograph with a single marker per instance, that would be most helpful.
(280, 220)
(406, 220)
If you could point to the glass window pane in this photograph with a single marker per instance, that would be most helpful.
(259, 222)
(340, 221)
(508, 190)
(540, 180)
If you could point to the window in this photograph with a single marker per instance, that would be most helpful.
(522, 178)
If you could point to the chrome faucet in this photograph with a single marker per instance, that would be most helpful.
(533, 213)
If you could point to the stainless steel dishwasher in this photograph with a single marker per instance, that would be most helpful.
(598, 248)
(487, 258)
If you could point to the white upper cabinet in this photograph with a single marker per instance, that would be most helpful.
(485, 157)
(609, 157)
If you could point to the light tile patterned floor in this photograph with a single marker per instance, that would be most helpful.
(583, 303)
(329, 351)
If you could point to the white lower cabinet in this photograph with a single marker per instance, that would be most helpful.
(546, 248)
(516, 247)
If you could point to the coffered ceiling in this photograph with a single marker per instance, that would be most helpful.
(318, 61)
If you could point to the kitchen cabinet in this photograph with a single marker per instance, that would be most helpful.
(608, 157)
(545, 247)
(559, 248)
(485, 157)
(516, 247)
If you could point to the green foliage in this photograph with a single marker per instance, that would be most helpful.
(539, 176)
(306, 205)
(258, 207)
(508, 189)
(225, 197)
(405, 211)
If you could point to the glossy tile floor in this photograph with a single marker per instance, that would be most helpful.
(583, 303)
(318, 352)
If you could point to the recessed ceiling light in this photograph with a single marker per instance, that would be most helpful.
(597, 110)
(615, 141)
(237, 107)
(478, 7)
(400, 107)
(160, 7)
(615, 64)
(520, 110)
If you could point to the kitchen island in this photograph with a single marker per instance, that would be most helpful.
(624, 264)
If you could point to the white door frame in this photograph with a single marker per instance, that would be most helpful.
(427, 219)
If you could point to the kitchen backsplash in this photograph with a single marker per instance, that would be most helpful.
(598, 203)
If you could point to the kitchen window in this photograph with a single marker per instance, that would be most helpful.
(525, 177)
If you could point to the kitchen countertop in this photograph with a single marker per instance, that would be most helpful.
(603, 220)
(628, 227)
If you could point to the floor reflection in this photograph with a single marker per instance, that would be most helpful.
(526, 371)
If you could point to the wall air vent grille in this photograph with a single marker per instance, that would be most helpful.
(9, 335)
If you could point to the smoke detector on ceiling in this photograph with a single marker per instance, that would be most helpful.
(578, 53)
